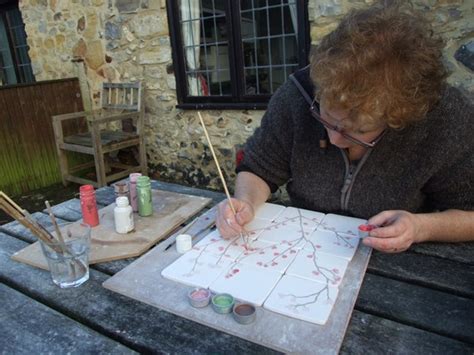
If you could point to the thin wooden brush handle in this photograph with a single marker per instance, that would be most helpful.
(217, 164)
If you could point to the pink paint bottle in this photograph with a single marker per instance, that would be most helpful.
(90, 215)
(133, 191)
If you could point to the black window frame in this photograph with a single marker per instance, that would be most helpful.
(20, 77)
(238, 99)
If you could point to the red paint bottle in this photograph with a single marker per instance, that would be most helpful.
(90, 215)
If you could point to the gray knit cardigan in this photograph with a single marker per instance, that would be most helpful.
(426, 167)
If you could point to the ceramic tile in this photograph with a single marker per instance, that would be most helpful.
(284, 234)
(216, 245)
(196, 268)
(332, 243)
(256, 227)
(268, 211)
(270, 256)
(246, 283)
(298, 217)
(342, 224)
(303, 299)
(314, 266)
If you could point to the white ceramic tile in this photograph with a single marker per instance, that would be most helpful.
(298, 217)
(268, 211)
(284, 234)
(303, 299)
(246, 283)
(332, 243)
(270, 256)
(342, 224)
(196, 268)
(216, 245)
(256, 227)
(320, 267)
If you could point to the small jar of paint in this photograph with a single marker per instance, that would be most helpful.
(145, 206)
(90, 215)
(199, 297)
(244, 313)
(184, 243)
(123, 216)
(121, 189)
(133, 190)
(222, 303)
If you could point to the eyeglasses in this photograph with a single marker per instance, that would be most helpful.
(340, 130)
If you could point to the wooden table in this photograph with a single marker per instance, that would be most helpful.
(420, 301)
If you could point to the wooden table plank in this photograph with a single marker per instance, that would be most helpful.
(214, 195)
(18, 230)
(69, 210)
(134, 324)
(424, 308)
(28, 326)
(368, 334)
(442, 274)
(142, 326)
(461, 252)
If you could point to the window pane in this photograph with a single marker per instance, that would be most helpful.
(7, 71)
(270, 47)
(205, 43)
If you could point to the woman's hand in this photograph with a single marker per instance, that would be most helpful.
(397, 231)
(230, 225)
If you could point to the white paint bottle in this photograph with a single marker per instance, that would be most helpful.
(123, 216)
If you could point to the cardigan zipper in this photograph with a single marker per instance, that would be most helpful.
(349, 177)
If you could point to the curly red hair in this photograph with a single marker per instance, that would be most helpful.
(382, 64)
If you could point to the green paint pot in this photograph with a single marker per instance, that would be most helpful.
(223, 303)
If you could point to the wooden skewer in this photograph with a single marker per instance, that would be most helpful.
(220, 174)
(56, 227)
(4, 195)
(24, 218)
(26, 222)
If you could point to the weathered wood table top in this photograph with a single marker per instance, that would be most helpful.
(420, 301)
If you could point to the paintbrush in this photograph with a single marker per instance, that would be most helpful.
(221, 175)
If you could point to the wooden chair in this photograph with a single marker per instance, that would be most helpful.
(122, 107)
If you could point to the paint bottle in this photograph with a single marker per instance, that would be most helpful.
(145, 207)
(121, 189)
(123, 216)
(133, 190)
(90, 215)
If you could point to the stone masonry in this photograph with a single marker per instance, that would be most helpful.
(128, 40)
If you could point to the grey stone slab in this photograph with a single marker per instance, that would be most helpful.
(422, 307)
(462, 252)
(28, 326)
(142, 281)
(134, 324)
(433, 272)
(368, 334)
(17, 229)
(214, 195)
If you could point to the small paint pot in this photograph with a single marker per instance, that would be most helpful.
(244, 313)
(199, 297)
(184, 243)
(222, 303)
(364, 230)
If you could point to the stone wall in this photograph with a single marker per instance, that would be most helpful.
(128, 40)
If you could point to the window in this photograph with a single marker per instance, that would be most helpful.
(15, 64)
(235, 53)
